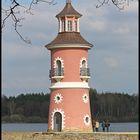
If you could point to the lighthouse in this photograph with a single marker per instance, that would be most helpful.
(69, 109)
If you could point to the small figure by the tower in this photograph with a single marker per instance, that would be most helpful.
(69, 101)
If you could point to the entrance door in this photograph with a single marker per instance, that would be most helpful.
(57, 122)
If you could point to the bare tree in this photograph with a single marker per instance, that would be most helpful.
(13, 12)
(120, 4)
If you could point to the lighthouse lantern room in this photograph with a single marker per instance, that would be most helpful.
(69, 108)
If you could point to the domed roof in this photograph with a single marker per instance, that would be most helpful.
(66, 38)
(68, 11)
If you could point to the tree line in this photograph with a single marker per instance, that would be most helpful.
(116, 107)
(34, 107)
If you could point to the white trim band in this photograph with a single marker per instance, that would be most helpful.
(55, 46)
(69, 85)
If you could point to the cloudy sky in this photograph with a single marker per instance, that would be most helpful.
(113, 61)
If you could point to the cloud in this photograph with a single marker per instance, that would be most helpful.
(96, 25)
(111, 62)
(121, 30)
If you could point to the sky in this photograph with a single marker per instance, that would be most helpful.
(113, 60)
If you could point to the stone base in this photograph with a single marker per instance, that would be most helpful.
(73, 130)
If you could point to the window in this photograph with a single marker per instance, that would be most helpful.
(75, 25)
(69, 25)
(63, 25)
(84, 64)
(87, 119)
(58, 72)
(57, 122)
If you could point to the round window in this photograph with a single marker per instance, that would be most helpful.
(87, 120)
(85, 98)
(58, 98)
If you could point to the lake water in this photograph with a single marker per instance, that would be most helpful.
(42, 127)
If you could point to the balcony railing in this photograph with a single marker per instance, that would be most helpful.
(57, 74)
(84, 72)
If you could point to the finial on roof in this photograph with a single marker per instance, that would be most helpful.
(68, 1)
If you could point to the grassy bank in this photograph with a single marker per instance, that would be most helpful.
(69, 136)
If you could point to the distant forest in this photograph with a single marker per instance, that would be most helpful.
(34, 107)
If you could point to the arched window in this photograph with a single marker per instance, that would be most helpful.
(59, 68)
(84, 70)
(84, 64)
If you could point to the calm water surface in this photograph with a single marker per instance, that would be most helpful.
(42, 127)
(25, 127)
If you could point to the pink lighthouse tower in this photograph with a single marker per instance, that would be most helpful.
(69, 108)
